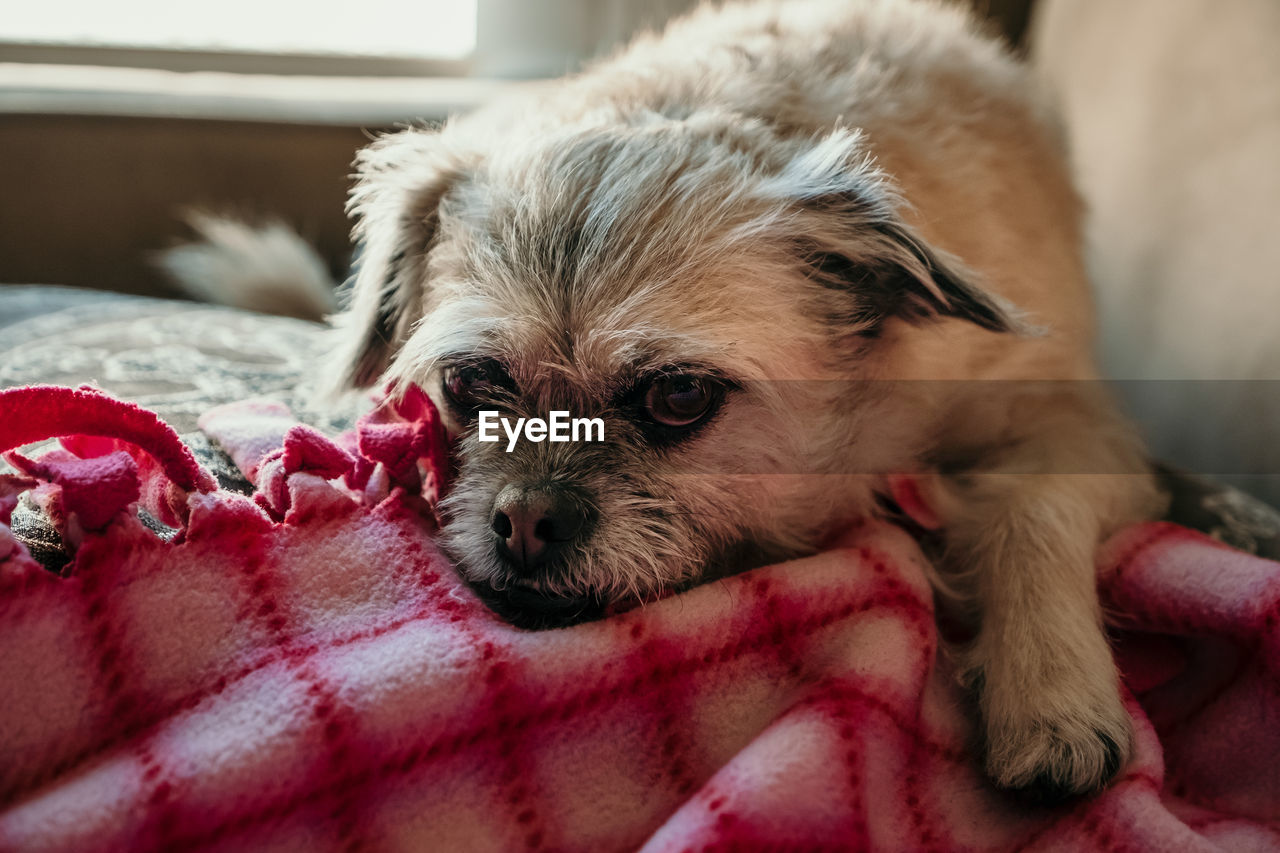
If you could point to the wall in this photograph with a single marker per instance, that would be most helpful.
(86, 199)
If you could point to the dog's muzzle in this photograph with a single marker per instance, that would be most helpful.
(535, 531)
(534, 527)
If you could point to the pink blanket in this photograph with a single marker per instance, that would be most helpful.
(303, 671)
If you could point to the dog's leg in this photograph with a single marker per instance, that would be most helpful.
(1022, 534)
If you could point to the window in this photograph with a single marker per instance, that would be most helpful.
(404, 29)
(371, 63)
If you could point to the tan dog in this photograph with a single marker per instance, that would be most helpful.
(781, 251)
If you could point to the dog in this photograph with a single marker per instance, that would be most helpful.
(781, 250)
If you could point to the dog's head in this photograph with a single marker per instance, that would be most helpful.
(697, 284)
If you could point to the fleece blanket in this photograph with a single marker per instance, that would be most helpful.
(302, 670)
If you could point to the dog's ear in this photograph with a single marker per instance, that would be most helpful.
(400, 181)
(850, 236)
(891, 272)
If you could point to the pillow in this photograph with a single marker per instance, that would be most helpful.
(178, 359)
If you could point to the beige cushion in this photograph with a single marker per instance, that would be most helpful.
(1173, 117)
(1173, 113)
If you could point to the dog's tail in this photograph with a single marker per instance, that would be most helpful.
(267, 268)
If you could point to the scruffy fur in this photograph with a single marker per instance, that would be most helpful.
(857, 215)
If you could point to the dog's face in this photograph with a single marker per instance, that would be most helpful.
(703, 286)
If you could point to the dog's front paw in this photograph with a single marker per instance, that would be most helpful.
(1054, 742)
(1051, 760)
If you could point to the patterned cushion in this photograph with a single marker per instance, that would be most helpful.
(177, 359)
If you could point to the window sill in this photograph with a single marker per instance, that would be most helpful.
(39, 89)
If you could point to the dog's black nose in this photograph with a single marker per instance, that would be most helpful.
(533, 525)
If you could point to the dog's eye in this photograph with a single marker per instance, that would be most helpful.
(680, 400)
(467, 384)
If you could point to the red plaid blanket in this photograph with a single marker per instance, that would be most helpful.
(303, 671)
